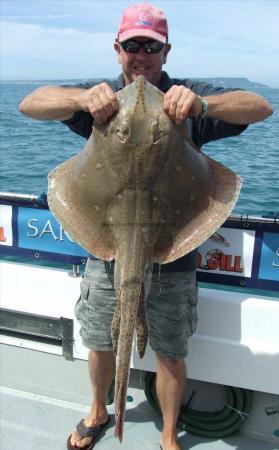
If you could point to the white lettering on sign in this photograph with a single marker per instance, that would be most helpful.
(36, 231)
(47, 229)
(217, 260)
(277, 254)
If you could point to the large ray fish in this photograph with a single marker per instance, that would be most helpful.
(139, 192)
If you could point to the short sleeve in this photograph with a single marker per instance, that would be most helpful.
(208, 129)
(81, 122)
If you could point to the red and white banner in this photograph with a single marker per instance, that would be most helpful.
(229, 251)
(6, 231)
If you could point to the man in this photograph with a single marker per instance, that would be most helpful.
(209, 113)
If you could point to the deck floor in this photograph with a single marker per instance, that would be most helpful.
(34, 422)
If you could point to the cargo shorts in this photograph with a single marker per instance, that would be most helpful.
(171, 308)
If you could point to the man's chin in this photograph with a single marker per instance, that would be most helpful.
(133, 76)
(140, 74)
(146, 75)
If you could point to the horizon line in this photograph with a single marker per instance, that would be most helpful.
(243, 77)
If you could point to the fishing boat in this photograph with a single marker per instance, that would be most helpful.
(232, 399)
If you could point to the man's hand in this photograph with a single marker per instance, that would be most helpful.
(100, 101)
(60, 103)
(180, 102)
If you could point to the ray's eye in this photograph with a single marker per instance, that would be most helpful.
(157, 133)
(122, 132)
(157, 136)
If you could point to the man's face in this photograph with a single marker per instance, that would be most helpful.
(141, 63)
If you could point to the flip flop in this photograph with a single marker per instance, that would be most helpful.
(84, 431)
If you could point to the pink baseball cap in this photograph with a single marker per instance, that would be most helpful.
(143, 19)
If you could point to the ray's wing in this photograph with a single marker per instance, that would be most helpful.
(78, 195)
(200, 195)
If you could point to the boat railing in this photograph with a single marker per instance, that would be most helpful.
(243, 253)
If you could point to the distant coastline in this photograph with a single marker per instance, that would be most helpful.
(234, 82)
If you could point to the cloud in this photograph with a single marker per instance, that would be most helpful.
(225, 38)
(36, 40)
(57, 52)
(79, 14)
(209, 38)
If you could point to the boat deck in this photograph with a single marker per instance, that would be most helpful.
(43, 395)
(33, 422)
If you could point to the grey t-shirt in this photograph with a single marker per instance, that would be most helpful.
(200, 131)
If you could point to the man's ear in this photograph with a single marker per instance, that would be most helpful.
(117, 49)
(166, 51)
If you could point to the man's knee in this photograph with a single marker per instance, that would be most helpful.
(170, 364)
(100, 355)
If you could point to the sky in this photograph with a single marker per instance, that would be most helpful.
(73, 39)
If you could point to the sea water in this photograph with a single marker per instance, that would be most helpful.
(30, 149)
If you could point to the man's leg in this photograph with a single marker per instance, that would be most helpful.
(94, 311)
(172, 319)
(171, 386)
(102, 371)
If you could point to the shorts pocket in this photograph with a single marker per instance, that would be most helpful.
(84, 289)
(192, 310)
(81, 308)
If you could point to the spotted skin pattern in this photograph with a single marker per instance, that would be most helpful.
(139, 193)
(141, 326)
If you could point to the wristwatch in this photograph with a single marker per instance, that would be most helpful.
(204, 104)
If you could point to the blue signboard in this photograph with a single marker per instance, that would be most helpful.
(39, 230)
(269, 263)
(253, 262)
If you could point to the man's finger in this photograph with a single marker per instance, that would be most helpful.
(105, 104)
(96, 111)
(186, 105)
(167, 98)
(174, 99)
(101, 102)
(111, 97)
(110, 100)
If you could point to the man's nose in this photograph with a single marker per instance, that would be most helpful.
(141, 53)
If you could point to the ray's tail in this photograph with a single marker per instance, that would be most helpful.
(129, 304)
(133, 288)
(131, 295)
(134, 237)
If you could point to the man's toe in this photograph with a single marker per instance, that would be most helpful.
(74, 438)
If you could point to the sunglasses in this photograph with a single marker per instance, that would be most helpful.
(133, 46)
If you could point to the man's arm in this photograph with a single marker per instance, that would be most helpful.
(237, 107)
(60, 103)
